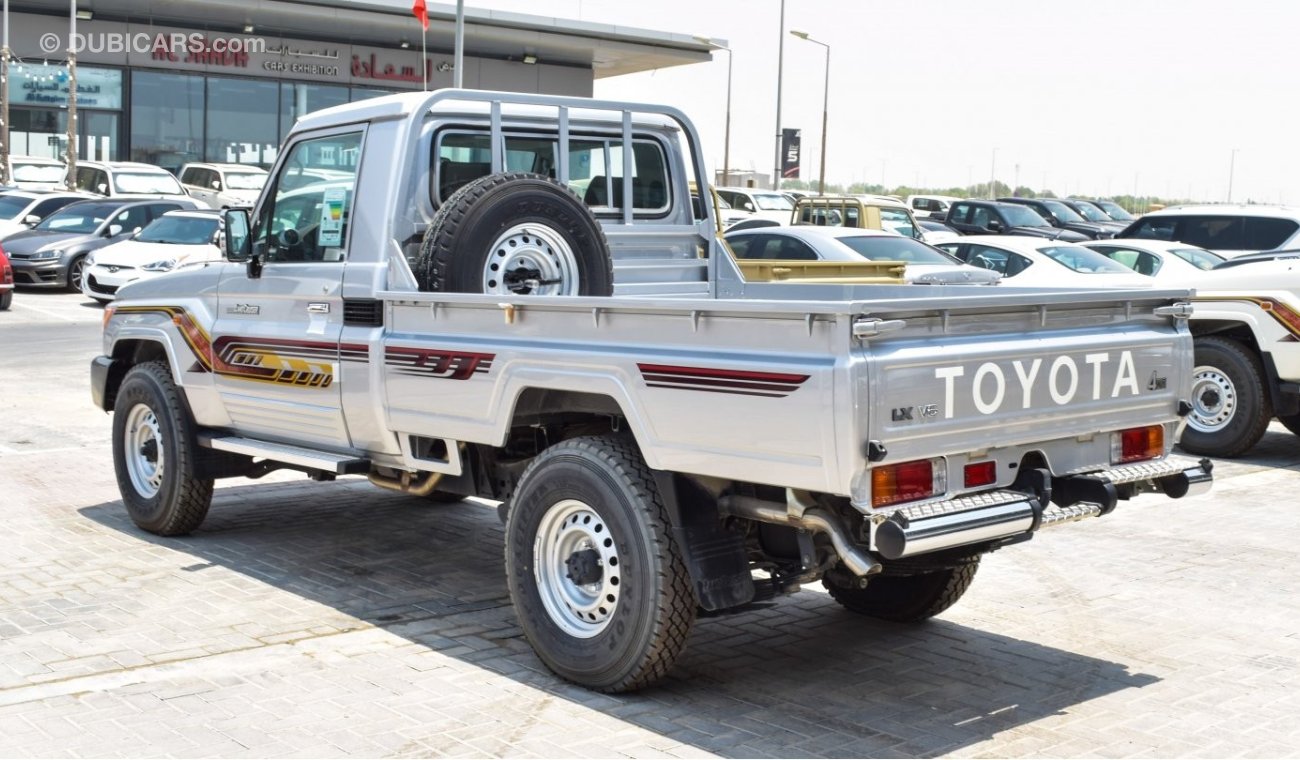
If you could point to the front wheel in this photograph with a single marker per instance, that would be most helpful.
(1231, 408)
(154, 454)
(596, 578)
(76, 271)
(907, 598)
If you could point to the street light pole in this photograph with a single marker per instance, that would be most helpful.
(826, 94)
(4, 102)
(1232, 165)
(726, 138)
(72, 97)
(780, 67)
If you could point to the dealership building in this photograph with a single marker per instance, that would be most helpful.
(223, 80)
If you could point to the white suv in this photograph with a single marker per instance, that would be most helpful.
(127, 179)
(223, 185)
(1228, 229)
(764, 204)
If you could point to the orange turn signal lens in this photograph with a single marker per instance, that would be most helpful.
(907, 481)
(108, 314)
(1137, 444)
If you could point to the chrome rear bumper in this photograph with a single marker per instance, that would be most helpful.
(935, 526)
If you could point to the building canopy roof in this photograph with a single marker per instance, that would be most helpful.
(608, 50)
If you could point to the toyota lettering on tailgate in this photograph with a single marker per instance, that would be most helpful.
(994, 385)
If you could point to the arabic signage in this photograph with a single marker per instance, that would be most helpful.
(45, 85)
(790, 139)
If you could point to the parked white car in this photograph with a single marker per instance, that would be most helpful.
(1170, 263)
(223, 185)
(37, 173)
(930, 205)
(1034, 261)
(1228, 229)
(926, 265)
(175, 240)
(765, 204)
(21, 209)
(127, 179)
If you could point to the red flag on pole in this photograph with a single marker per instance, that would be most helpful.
(422, 13)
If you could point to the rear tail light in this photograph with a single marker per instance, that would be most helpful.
(908, 481)
(1137, 444)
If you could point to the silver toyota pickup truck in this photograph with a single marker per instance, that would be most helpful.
(522, 298)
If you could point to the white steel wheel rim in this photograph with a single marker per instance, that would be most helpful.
(1214, 400)
(581, 610)
(145, 457)
(531, 259)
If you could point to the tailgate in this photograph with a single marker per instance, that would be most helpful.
(964, 382)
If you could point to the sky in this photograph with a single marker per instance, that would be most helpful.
(1091, 97)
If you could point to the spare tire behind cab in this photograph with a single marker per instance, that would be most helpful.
(515, 233)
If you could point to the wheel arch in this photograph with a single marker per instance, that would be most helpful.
(141, 345)
(1245, 333)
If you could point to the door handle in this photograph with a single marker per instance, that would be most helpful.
(318, 308)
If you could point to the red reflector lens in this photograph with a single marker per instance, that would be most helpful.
(906, 481)
(1136, 444)
(981, 474)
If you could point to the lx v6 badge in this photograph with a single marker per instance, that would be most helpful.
(244, 308)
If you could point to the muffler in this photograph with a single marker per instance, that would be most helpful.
(815, 519)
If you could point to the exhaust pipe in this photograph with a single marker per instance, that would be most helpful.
(857, 560)
(421, 484)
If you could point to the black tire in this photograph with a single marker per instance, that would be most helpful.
(454, 256)
(635, 640)
(1231, 407)
(6, 300)
(76, 268)
(907, 598)
(180, 501)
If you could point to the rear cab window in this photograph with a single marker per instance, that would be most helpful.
(595, 167)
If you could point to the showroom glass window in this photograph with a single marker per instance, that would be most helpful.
(243, 125)
(297, 100)
(166, 119)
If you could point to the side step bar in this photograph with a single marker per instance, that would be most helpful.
(294, 456)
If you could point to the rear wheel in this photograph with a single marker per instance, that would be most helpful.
(1231, 408)
(154, 454)
(596, 578)
(6, 299)
(907, 598)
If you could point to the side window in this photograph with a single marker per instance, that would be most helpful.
(1015, 265)
(960, 250)
(47, 207)
(988, 258)
(1125, 256)
(1264, 233)
(308, 218)
(740, 246)
(187, 176)
(462, 158)
(922, 204)
(132, 218)
(1222, 232)
(795, 250)
(158, 209)
(1159, 228)
(960, 213)
(981, 216)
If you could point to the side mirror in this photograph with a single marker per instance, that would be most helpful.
(236, 243)
(216, 184)
(114, 230)
(101, 188)
(995, 225)
(31, 220)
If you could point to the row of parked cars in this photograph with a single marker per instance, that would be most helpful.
(124, 221)
(1243, 262)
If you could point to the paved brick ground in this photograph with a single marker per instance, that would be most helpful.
(336, 620)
